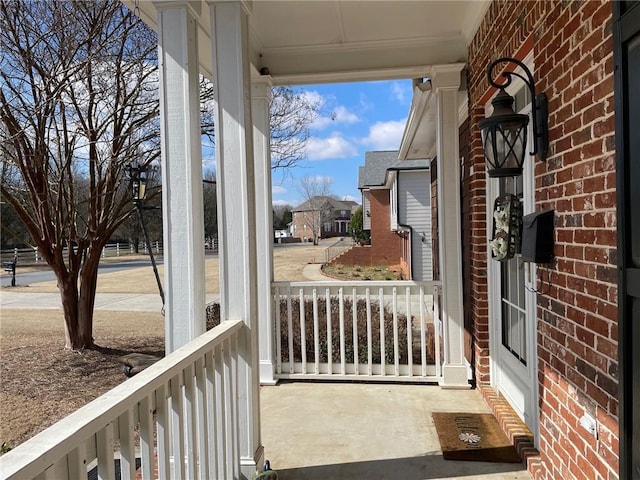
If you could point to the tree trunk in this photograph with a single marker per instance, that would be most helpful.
(78, 299)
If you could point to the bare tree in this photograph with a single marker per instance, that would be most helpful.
(78, 105)
(291, 113)
(316, 208)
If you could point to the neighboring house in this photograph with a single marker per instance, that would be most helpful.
(396, 199)
(322, 217)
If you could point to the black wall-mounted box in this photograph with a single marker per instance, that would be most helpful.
(537, 237)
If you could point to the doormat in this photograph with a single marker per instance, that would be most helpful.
(473, 437)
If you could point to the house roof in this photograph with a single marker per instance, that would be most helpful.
(312, 204)
(420, 164)
(375, 168)
(377, 164)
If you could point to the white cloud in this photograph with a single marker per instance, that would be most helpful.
(282, 202)
(385, 135)
(365, 103)
(278, 190)
(339, 115)
(351, 198)
(334, 146)
(400, 91)
(320, 179)
(313, 97)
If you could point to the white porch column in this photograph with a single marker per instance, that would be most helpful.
(237, 210)
(260, 99)
(183, 220)
(445, 80)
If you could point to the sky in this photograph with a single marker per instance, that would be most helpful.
(366, 117)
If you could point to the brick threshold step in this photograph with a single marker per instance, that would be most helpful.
(515, 429)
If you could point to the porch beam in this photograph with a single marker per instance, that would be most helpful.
(260, 100)
(183, 218)
(446, 81)
(237, 211)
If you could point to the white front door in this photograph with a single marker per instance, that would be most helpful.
(512, 304)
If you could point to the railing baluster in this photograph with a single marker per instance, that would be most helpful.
(303, 332)
(162, 416)
(190, 427)
(369, 335)
(177, 426)
(201, 420)
(228, 403)
(235, 406)
(104, 453)
(212, 406)
(437, 330)
(383, 353)
(343, 360)
(329, 331)
(278, 332)
(290, 329)
(354, 311)
(396, 350)
(423, 335)
(77, 462)
(220, 414)
(147, 457)
(316, 333)
(59, 470)
(409, 332)
(127, 446)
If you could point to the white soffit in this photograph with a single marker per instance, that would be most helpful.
(316, 41)
(419, 135)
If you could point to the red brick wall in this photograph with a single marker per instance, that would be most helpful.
(300, 221)
(386, 245)
(358, 255)
(577, 320)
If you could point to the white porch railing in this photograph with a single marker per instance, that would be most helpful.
(177, 419)
(320, 336)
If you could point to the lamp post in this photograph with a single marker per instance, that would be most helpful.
(138, 177)
(504, 133)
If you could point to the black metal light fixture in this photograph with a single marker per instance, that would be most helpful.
(504, 133)
(138, 177)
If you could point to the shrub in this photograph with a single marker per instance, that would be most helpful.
(213, 319)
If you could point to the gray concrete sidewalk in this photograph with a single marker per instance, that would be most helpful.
(121, 302)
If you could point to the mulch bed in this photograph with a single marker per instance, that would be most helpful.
(42, 383)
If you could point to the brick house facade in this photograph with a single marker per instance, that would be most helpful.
(571, 43)
(323, 216)
(387, 247)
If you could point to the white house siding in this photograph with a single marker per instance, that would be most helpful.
(366, 211)
(414, 210)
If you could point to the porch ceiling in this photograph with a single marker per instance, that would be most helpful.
(312, 41)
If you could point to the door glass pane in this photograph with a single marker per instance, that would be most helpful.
(512, 280)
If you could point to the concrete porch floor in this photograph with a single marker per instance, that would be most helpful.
(349, 431)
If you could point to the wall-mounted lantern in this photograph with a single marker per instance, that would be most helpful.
(504, 133)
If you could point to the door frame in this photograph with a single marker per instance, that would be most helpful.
(497, 363)
(626, 25)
